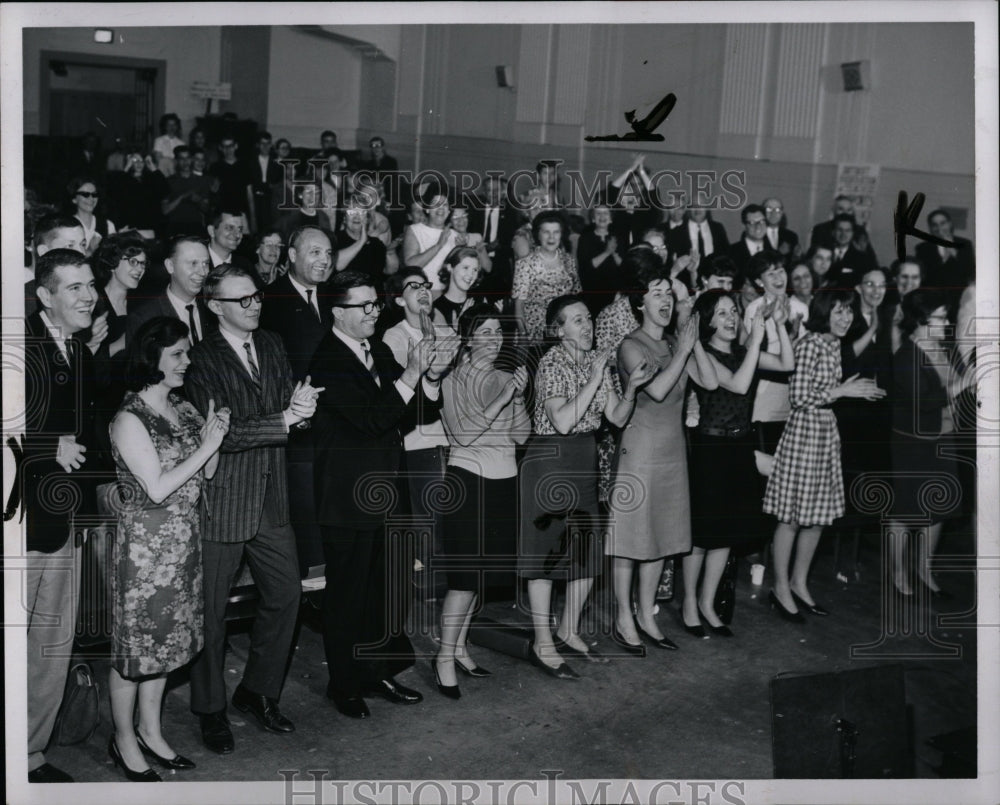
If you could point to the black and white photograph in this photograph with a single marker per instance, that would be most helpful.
(501, 402)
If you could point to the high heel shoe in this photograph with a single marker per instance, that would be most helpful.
(178, 762)
(476, 671)
(633, 649)
(591, 654)
(562, 671)
(659, 642)
(695, 631)
(451, 691)
(148, 776)
(812, 609)
(719, 631)
(788, 615)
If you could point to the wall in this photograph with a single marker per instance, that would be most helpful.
(192, 55)
(314, 84)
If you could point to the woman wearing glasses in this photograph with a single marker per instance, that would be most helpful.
(358, 248)
(84, 197)
(923, 482)
(119, 265)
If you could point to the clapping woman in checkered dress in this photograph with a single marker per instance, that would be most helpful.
(806, 489)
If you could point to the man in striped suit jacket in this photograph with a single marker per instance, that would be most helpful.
(245, 506)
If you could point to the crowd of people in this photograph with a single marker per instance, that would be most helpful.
(232, 378)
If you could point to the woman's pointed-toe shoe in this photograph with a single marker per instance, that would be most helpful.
(178, 762)
(450, 691)
(812, 609)
(787, 614)
(147, 776)
(635, 649)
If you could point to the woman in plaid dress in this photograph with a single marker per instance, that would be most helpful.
(806, 489)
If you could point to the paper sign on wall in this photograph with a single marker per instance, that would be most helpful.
(860, 183)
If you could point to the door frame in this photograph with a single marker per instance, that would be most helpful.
(127, 62)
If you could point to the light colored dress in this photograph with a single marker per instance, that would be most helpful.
(537, 282)
(426, 237)
(649, 497)
(156, 589)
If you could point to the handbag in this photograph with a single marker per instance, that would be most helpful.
(80, 714)
(725, 595)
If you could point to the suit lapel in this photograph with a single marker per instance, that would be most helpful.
(226, 354)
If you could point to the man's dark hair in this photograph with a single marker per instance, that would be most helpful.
(341, 284)
(938, 211)
(45, 269)
(47, 226)
(751, 208)
(215, 277)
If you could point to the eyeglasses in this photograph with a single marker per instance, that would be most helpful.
(87, 194)
(245, 301)
(775, 209)
(880, 286)
(413, 285)
(366, 307)
(135, 262)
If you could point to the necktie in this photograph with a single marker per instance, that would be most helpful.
(839, 255)
(489, 225)
(254, 369)
(70, 346)
(370, 364)
(701, 242)
(194, 330)
(772, 235)
(309, 301)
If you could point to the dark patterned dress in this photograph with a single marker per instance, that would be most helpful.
(156, 588)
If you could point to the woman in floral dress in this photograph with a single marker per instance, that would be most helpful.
(163, 449)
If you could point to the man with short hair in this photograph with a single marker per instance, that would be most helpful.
(946, 268)
(266, 177)
(225, 233)
(823, 232)
(779, 237)
(848, 263)
(700, 238)
(187, 264)
(752, 241)
(60, 426)
(245, 509)
(232, 176)
(51, 232)
(359, 449)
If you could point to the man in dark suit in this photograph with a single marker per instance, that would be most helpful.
(779, 237)
(359, 451)
(264, 188)
(823, 231)
(752, 240)
(848, 262)
(225, 234)
(188, 265)
(491, 217)
(295, 311)
(60, 427)
(946, 269)
(245, 510)
(700, 236)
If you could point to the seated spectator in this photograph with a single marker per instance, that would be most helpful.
(270, 252)
(823, 232)
(752, 241)
(947, 269)
(718, 272)
(459, 274)
(84, 198)
(463, 237)
(848, 262)
(908, 276)
(51, 232)
(780, 238)
(135, 193)
(225, 234)
(427, 244)
(820, 258)
(188, 198)
(357, 248)
(164, 145)
(599, 256)
(232, 175)
(701, 236)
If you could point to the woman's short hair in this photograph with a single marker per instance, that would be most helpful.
(455, 256)
(639, 267)
(79, 181)
(395, 283)
(646, 276)
(823, 302)
(473, 318)
(705, 306)
(547, 217)
(167, 117)
(718, 265)
(147, 345)
(917, 307)
(554, 318)
(112, 250)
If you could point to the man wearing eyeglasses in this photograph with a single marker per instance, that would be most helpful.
(246, 504)
(370, 400)
(780, 238)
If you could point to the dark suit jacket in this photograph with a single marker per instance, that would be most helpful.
(788, 242)
(160, 306)
(358, 427)
(952, 276)
(847, 272)
(253, 453)
(58, 403)
(739, 253)
(286, 313)
(507, 223)
(822, 234)
(679, 241)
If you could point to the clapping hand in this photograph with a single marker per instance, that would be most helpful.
(780, 311)
(98, 332)
(516, 385)
(864, 388)
(304, 397)
(757, 326)
(598, 363)
(69, 454)
(639, 376)
(688, 335)
(216, 426)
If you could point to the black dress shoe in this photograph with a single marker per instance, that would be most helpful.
(451, 691)
(350, 706)
(178, 762)
(591, 654)
(147, 776)
(563, 671)
(719, 631)
(788, 615)
(264, 709)
(47, 773)
(659, 642)
(476, 672)
(812, 609)
(636, 650)
(390, 690)
(216, 733)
